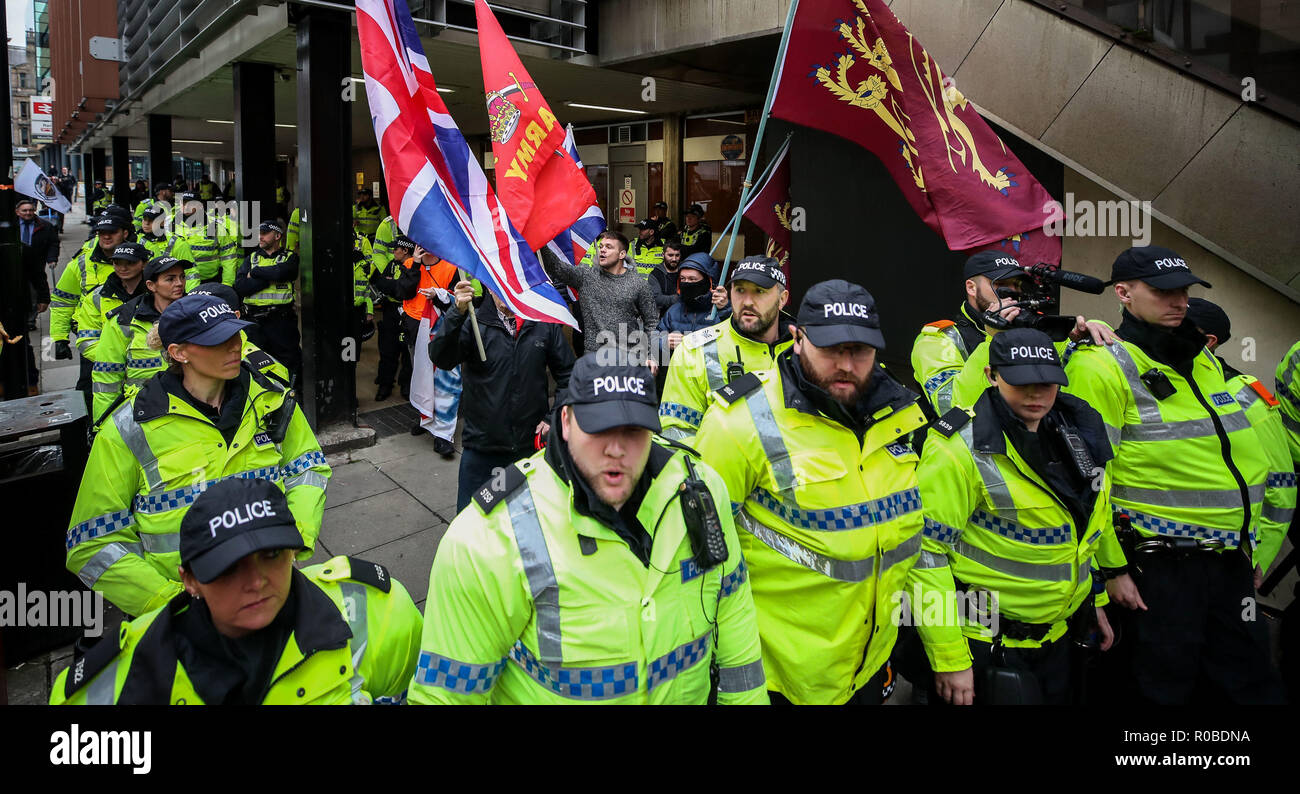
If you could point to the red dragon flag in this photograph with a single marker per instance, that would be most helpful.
(853, 70)
(543, 189)
(769, 208)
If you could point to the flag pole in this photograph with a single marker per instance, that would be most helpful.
(767, 169)
(758, 141)
(473, 320)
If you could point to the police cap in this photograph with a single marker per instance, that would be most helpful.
(231, 520)
(835, 312)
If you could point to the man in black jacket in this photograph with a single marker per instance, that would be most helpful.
(40, 251)
(506, 398)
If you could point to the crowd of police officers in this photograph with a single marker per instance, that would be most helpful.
(1068, 512)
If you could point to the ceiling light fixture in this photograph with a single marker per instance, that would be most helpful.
(603, 107)
(187, 140)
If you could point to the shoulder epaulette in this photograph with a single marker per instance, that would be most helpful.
(701, 337)
(92, 662)
(1264, 393)
(371, 573)
(259, 359)
(951, 422)
(940, 324)
(496, 489)
(740, 387)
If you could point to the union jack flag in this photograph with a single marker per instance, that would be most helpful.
(438, 191)
(572, 243)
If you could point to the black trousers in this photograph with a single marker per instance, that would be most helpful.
(1202, 638)
(280, 332)
(1051, 668)
(84, 381)
(394, 356)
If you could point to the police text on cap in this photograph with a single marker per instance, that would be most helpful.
(215, 312)
(846, 310)
(1025, 351)
(1171, 264)
(241, 515)
(612, 384)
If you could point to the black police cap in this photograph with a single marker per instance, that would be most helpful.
(232, 519)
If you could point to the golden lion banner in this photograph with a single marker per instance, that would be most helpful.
(853, 70)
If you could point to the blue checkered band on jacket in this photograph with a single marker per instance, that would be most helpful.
(681, 658)
(1281, 479)
(87, 333)
(99, 525)
(932, 384)
(67, 296)
(941, 533)
(144, 363)
(184, 497)
(107, 366)
(455, 676)
(732, 581)
(685, 413)
(579, 683)
(848, 517)
(303, 462)
(1010, 529)
(1174, 529)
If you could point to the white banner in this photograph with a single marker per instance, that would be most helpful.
(32, 181)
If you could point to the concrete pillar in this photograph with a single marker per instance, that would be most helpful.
(160, 149)
(674, 194)
(255, 136)
(121, 172)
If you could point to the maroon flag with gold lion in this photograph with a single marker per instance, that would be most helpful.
(852, 69)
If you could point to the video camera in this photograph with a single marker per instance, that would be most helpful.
(1036, 298)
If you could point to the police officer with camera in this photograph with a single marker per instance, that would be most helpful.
(603, 569)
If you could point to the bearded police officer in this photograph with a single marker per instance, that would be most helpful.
(248, 628)
(1188, 480)
(707, 359)
(1017, 506)
(604, 568)
(814, 454)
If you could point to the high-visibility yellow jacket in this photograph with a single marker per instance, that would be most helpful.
(291, 235)
(1187, 466)
(646, 256)
(1288, 392)
(385, 237)
(277, 273)
(830, 525)
(214, 248)
(1265, 414)
(93, 308)
(355, 637)
(366, 219)
(533, 601)
(166, 245)
(361, 295)
(152, 458)
(700, 365)
(993, 524)
(83, 273)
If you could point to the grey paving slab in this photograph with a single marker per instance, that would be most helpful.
(408, 560)
(27, 685)
(395, 447)
(429, 479)
(373, 521)
(354, 481)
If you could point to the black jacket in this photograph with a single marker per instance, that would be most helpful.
(44, 248)
(506, 396)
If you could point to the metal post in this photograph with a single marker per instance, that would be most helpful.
(88, 182)
(101, 167)
(121, 172)
(160, 150)
(14, 293)
(324, 197)
(255, 136)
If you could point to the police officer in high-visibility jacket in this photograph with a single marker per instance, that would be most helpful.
(604, 568)
(160, 242)
(815, 456)
(696, 236)
(207, 418)
(394, 355)
(124, 283)
(249, 628)
(385, 236)
(163, 196)
(1189, 476)
(1265, 414)
(749, 340)
(1017, 516)
(291, 237)
(647, 250)
(1288, 391)
(266, 283)
(212, 239)
(367, 213)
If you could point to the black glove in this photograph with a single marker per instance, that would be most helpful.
(62, 350)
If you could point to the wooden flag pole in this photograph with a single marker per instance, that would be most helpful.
(473, 320)
(758, 141)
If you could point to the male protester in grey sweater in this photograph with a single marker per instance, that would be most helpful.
(618, 305)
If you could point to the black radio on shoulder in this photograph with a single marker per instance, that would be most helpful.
(703, 525)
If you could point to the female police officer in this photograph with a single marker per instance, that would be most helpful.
(206, 418)
(1017, 505)
(249, 628)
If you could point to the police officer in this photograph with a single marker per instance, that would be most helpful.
(366, 213)
(266, 283)
(123, 358)
(604, 568)
(253, 339)
(1016, 505)
(163, 195)
(251, 629)
(124, 283)
(1265, 415)
(1188, 477)
(155, 237)
(948, 356)
(665, 229)
(100, 197)
(647, 251)
(387, 281)
(696, 236)
(213, 244)
(207, 189)
(208, 417)
(385, 237)
(814, 454)
(707, 359)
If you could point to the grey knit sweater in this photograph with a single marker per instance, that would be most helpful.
(614, 308)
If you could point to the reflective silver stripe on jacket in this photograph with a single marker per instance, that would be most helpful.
(161, 543)
(354, 601)
(104, 559)
(929, 559)
(994, 482)
(1186, 428)
(134, 438)
(900, 553)
(712, 366)
(741, 679)
(1226, 498)
(840, 570)
(540, 573)
(769, 435)
(1061, 572)
(1277, 514)
(99, 692)
(307, 478)
(1147, 405)
(954, 335)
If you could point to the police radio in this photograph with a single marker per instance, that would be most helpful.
(702, 523)
(736, 368)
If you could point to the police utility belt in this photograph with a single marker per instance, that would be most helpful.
(266, 312)
(1135, 543)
